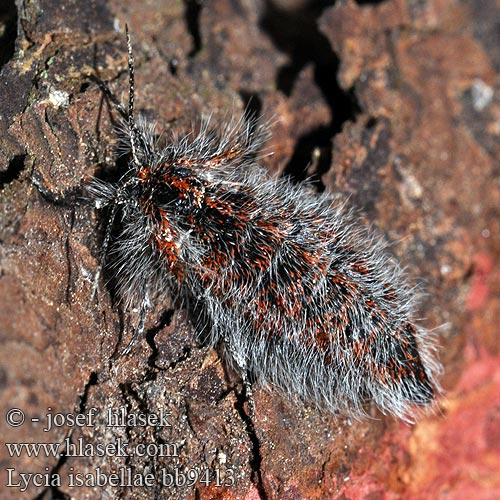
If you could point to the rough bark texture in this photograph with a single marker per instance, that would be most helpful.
(394, 103)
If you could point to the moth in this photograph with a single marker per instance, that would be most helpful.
(293, 288)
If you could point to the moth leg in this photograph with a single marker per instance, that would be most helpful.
(68, 198)
(243, 369)
(144, 308)
(104, 251)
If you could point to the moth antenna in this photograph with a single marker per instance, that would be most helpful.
(131, 122)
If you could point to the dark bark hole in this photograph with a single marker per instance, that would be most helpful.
(253, 108)
(8, 31)
(16, 166)
(192, 14)
(296, 33)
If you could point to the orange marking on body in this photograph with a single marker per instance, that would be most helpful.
(144, 173)
(214, 162)
(165, 241)
(360, 267)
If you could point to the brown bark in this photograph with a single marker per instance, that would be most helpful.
(394, 103)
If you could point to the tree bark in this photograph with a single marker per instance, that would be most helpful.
(394, 104)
